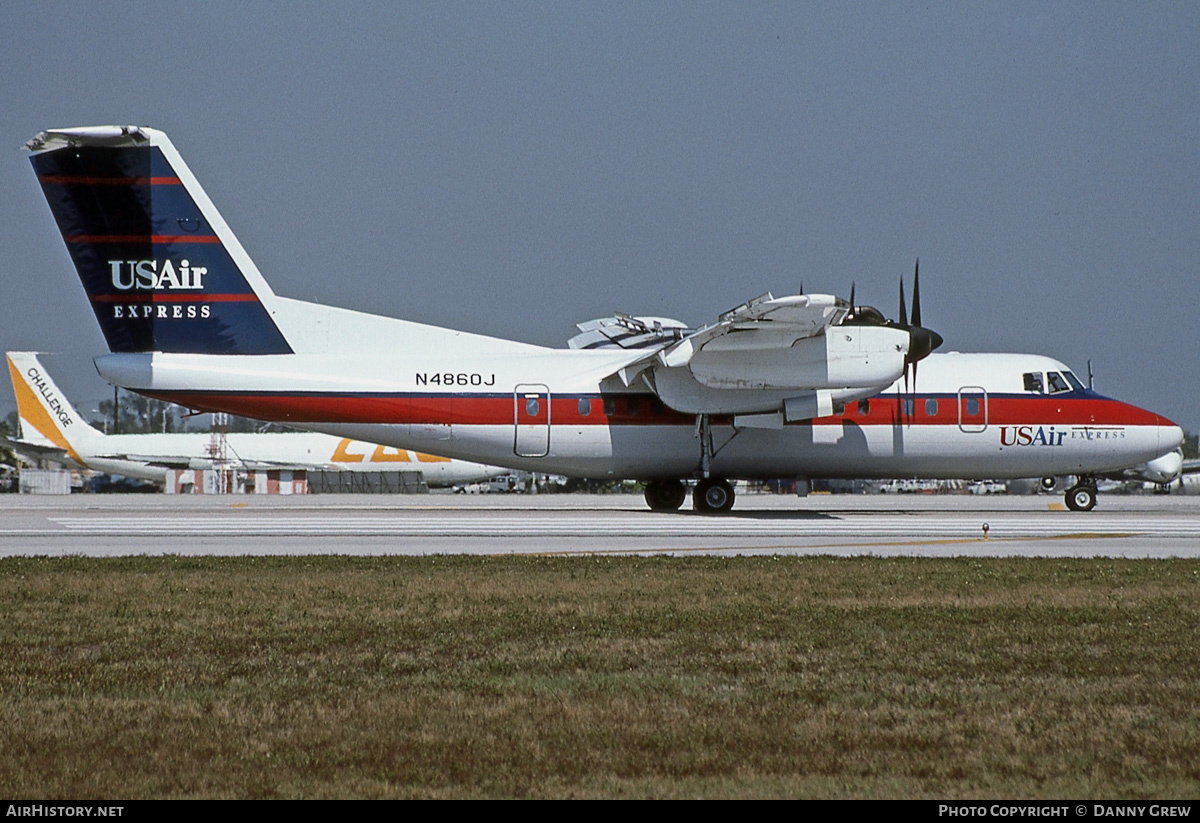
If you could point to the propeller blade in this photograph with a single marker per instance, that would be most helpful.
(903, 309)
(916, 315)
(921, 340)
(852, 297)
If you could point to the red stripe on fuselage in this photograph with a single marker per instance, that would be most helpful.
(1004, 410)
(500, 409)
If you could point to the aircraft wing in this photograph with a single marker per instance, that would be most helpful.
(158, 460)
(766, 323)
(33, 451)
(185, 462)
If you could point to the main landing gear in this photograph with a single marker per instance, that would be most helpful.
(665, 495)
(1082, 496)
(711, 495)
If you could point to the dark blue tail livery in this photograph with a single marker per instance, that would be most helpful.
(159, 274)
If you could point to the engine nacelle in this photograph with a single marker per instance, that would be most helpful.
(680, 391)
(843, 357)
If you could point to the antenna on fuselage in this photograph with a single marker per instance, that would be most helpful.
(1089, 375)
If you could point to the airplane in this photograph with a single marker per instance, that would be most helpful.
(51, 429)
(801, 386)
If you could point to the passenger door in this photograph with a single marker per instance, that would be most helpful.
(531, 420)
(972, 409)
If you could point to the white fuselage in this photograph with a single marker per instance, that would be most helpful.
(151, 456)
(559, 411)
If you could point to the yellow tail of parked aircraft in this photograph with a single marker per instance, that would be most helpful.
(51, 429)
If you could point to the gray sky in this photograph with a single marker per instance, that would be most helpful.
(514, 168)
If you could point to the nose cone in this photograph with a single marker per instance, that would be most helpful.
(921, 342)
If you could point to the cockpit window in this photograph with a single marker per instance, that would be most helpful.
(1057, 383)
(1073, 380)
(1033, 382)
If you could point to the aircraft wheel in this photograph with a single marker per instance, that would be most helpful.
(712, 496)
(1081, 498)
(665, 495)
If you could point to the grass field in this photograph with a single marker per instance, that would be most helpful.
(457, 677)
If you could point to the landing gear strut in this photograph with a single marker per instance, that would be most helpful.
(1082, 496)
(712, 496)
(665, 495)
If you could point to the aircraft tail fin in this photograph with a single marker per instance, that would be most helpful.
(46, 416)
(161, 268)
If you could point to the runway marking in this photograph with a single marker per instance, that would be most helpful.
(592, 530)
(640, 525)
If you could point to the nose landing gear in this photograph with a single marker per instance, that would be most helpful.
(1082, 496)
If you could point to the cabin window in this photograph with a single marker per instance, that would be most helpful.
(532, 406)
(864, 407)
(610, 407)
(585, 407)
(632, 407)
(1033, 382)
(910, 407)
(1057, 383)
(931, 407)
(972, 407)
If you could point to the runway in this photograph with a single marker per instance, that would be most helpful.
(930, 526)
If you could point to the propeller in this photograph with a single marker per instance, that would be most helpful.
(921, 341)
